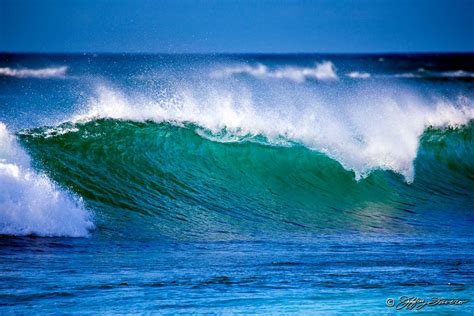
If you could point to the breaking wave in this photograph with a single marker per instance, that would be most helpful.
(30, 204)
(147, 178)
(358, 75)
(372, 131)
(189, 154)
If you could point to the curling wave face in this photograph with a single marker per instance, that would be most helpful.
(146, 178)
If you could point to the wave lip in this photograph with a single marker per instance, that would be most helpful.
(51, 72)
(321, 71)
(30, 204)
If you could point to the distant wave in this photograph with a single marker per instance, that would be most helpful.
(457, 74)
(30, 204)
(358, 75)
(51, 72)
(423, 73)
(321, 71)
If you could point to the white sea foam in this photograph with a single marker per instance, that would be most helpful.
(358, 75)
(34, 73)
(376, 129)
(30, 203)
(321, 71)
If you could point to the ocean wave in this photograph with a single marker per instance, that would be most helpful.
(52, 72)
(151, 178)
(321, 71)
(364, 132)
(30, 204)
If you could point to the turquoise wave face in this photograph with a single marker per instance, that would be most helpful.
(149, 179)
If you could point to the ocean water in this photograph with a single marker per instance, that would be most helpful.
(236, 183)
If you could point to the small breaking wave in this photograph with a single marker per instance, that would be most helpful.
(52, 72)
(358, 75)
(321, 71)
(30, 204)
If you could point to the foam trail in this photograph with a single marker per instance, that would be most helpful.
(322, 71)
(30, 204)
(364, 131)
(51, 72)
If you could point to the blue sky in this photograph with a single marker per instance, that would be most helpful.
(146, 26)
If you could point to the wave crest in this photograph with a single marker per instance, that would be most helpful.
(380, 131)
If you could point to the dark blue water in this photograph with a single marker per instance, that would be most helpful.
(236, 183)
(310, 274)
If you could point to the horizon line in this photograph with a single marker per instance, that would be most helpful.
(238, 53)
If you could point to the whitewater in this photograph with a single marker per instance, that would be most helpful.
(31, 204)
